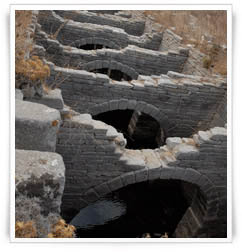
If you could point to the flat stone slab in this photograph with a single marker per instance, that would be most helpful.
(53, 99)
(151, 159)
(39, 185)
(133, 157)
(172, 142)
(185, 151)
(36, 126)
(219, 133)
(29, 164)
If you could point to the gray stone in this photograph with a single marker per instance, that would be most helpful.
(166, 173)
(102, 189)
(185, 151)
(18, 94)
(204, 136)
(39, 185)
(115, 184)
(52, 99)
(154, 173)
(172, 142)
(128, 178)
(219, 133)
(141, 175)
(36, 126)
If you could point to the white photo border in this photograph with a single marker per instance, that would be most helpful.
(226, 7)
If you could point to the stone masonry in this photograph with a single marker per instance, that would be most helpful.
(190, 110)
(40, 180)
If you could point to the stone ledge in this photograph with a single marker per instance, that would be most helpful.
(53, 99)
(39, 183)
(36, 126)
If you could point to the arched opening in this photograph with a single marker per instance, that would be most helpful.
(115, 70)
(145, 209)
(140, 130)
(94, 43)
(92, 46)
(113, 74)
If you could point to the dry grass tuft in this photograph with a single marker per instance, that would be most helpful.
(197, 27)
(55, 123)
(25, 230)
(209, 22)
(54, 35)
(67, 116)
(62, 230)
(22, 20)
(32, 69)
(59, 230)
(207, 62)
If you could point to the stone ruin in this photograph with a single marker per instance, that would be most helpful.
(104, 61)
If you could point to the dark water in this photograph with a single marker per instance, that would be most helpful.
(153, 208)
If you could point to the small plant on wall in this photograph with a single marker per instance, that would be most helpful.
(30, 72)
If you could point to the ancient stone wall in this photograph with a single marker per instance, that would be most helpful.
(142, 61)
(36, 126)
(89, 151)
(97, 163)
(170, 41)
(220, 115)
(211, 161)
(69, 32)
(111, 12)
(180, 103)
(129, 25)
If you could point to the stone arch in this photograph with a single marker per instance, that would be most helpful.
(169, 173)
(96, 40)
(141, 106)
(188, 175)
(111, 64)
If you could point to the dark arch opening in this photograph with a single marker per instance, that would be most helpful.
(150, 208)
(113, 74)
(92, 46)
(140, 130)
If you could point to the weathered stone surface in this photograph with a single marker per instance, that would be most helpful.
(115, 184)
(95, 153)
(172, 142)
(181, 108)
(130, 25)
(39, 185)
(204, 136)
(184, 150)
(170, 40)
(76, 31)
(219, 133)
(53, 99)
(141, 176)
(36, 126)
(18, 94)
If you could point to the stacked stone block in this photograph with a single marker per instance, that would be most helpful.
(68, 32)
(180, 103)
(94, 153)
(36, 126)
(138, 60)
(131, 26)
(97, 163)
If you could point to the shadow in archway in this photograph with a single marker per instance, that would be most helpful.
(140, 130)
(153, 208)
